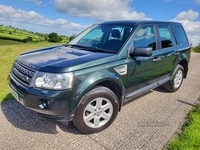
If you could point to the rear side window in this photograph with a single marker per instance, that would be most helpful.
(181, 34)
(167, 39)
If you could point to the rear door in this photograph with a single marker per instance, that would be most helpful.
(167, 46)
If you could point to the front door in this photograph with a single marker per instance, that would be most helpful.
(143, 72)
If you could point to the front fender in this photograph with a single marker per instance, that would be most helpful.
(97, 78)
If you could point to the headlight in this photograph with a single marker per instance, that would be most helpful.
(54, 81)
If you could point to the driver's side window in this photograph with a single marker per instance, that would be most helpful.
(145, 37)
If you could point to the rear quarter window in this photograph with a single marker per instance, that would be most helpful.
(182, 38)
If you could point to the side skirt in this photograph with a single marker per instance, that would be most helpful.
(145, 89)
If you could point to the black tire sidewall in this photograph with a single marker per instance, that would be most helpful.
(90, 96)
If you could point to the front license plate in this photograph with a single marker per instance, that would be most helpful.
(16, 96)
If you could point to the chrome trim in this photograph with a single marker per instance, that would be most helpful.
(22, 73)
(23, 70)
(122, 70)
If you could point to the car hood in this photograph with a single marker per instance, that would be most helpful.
(64, 59)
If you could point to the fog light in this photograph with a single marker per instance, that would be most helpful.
(45, 104)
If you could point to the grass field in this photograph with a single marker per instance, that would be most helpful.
(189, 138)
(14, 33)
(9, 50)
(14, 36)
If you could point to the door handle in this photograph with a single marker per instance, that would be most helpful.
(156, 59)
(176, 53)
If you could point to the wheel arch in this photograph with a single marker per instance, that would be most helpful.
(115, 88)
(184, 64)
(113, 83)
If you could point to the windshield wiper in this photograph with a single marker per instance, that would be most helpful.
(94, 49)
(74, 45)
(97, 49)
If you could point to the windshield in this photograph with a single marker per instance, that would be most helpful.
(102, 37)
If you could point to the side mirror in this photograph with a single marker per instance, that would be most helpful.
(141, 51)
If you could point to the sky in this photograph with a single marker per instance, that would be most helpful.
(67, 17)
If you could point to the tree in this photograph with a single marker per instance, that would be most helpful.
(53, 37)
(72, 37)
(30, 38)
(197, 48)
(45, 37)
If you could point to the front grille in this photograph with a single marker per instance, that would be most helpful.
(22, 74)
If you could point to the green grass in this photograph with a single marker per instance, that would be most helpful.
(9, 51)
(9, 42)
(14, 36)
(196, 48)
(189, 138)
(18, 34)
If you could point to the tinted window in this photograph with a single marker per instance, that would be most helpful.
(145, 37)
(115, 36)
(181, 33)
(108, 37)
(167, 40)
(94, 34)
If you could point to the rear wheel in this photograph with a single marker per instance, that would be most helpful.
(177, 78)
(97, 111)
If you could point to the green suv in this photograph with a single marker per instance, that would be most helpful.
(88, 80)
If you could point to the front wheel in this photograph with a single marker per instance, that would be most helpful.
(177, 78)
(98, 109)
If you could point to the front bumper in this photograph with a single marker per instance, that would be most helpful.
(61, 106)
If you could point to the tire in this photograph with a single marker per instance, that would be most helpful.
(177, 78)
(98, 109)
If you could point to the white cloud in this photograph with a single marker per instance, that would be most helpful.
(18, 14)
(31, 20)
(191, 27)
(187, 15)
(98, 9)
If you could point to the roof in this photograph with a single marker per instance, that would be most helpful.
(133, 22)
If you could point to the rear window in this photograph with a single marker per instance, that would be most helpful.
(167, 39)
